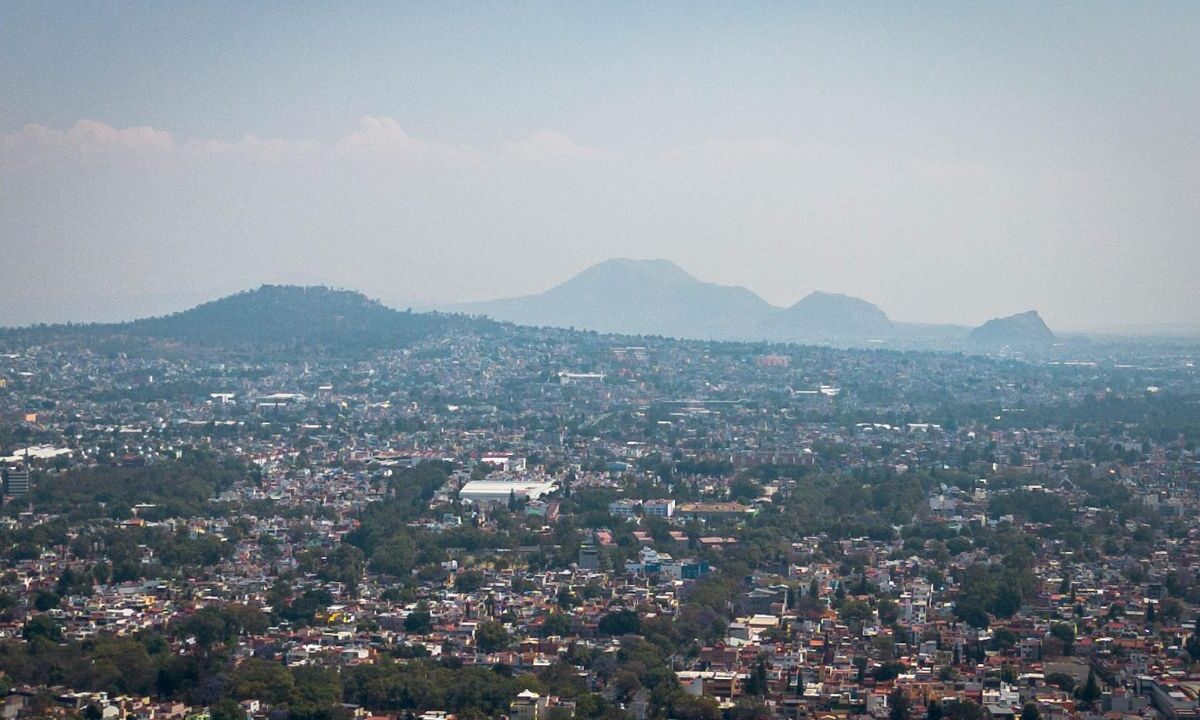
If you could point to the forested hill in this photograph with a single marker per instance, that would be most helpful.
(276, 318)
(283, 315)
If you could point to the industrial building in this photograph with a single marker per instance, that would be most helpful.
(497, 491)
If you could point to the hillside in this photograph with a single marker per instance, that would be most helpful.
(275, 318)
(832, 317)
(1022, 329)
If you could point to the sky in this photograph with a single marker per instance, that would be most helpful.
(950, 162)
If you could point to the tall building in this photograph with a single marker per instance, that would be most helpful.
(589, 557)
(16, 481)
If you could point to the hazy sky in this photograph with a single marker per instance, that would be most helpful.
(949, 162)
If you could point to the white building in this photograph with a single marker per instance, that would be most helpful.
(624, 508)
(499, 491)
(663, 507)
(504, 463)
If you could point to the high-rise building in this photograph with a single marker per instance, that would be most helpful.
(16, 481)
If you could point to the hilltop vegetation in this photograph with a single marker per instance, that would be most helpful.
(273, 319)
(282, 317)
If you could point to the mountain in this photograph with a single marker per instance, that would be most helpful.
(1022, 329)
(276, 318)
(829, 316)
(657, 297)
(636, 297)
(278, 315)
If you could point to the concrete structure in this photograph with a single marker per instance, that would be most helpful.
(624, 508)
(16, 481)
(498, 491)
(528, 705)
(663, 507)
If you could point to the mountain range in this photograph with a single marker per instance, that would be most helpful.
(657, 297)
(628, 297)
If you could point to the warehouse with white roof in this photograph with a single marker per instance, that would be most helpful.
(494, 491)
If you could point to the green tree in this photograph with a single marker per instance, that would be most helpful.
(396, 557)
(887, 671)
(244, 619)
(1062, 681)
(316, 690)
(259, 679)
(559, 624)
(1066, 633)
(687, 707)
(468, 581)
(888, 611)
(41, 626)
(207, 627)
(756, 683)
(620, 622)
(855, 611)
(419, 621)
(226, 709)
(1091, 690)
(899, 705)
(963, 710)
(749, 708)
(491, 636)
(45, 600)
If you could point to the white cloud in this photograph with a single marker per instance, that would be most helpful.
(375, 136)
(383, 136)
(93, 139)
(85, 139)
(546, 145)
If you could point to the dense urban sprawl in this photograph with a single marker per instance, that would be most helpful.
(549, 524)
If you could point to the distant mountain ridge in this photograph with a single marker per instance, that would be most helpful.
(831, 315)
(657, 297)
(622, 297)
(633, 297)
(1022, 329)
(274, 318)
